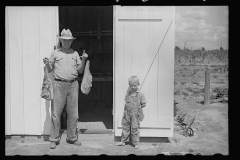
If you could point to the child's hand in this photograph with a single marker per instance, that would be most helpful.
(129, 90)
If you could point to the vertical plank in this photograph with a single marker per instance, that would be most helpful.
(127, 52)
(152, 77)
(118, 72)
(48, 31)
(16, 70)
(165, 77)
(7, 78)
(31, 68)
(144, 41)
(114, 64)
(170, 56)
(136, 48)
(144, 50)
(171, 13)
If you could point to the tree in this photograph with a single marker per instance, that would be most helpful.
(203, 48)
(177, 48)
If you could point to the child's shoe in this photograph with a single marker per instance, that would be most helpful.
(120, 144)
(136, 146)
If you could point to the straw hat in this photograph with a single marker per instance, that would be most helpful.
(66, 34)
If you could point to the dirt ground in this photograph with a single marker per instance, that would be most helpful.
(211, 121)
(210, 126)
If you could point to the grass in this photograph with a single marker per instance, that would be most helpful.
(185, 93)
(189, 89)
(183, 83)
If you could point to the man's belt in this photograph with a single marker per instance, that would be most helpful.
(62, 80)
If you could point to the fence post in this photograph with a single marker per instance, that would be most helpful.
(207, 86)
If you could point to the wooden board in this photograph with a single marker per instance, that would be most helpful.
(7, 79)
(16, 70)
(31, 35)
(145, 48)
(31, 68)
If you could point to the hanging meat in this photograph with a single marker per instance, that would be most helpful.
(47, 88)
(87, 79)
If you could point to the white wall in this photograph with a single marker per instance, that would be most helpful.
(30, 35)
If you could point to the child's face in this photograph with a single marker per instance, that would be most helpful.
(133, 86)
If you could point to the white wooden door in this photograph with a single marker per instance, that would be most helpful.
(144, 46)
(30, 36)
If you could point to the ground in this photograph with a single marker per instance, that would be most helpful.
(211, 121)
(210, 125)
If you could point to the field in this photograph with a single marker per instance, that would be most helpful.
(210, 126)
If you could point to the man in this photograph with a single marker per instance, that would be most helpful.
(65, 64)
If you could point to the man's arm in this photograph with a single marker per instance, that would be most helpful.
(82, 64)
(49, 62)
(49, 67)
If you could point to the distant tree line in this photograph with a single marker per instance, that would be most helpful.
(203, 49)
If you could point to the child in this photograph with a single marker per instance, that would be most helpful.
(132, 115)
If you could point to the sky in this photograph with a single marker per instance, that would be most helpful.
(201, 26)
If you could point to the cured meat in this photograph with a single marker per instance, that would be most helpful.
(47, 88)
(87, 79)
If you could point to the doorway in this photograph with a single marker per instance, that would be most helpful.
(93, 28)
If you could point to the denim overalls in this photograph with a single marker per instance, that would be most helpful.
(131, 118)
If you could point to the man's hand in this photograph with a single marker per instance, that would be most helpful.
(84, 55)
(45, 60)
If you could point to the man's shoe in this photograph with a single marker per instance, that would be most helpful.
(52, 145)
(120, 144)
(77, 143)
(136, 146)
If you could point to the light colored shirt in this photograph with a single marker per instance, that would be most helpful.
(65, 65)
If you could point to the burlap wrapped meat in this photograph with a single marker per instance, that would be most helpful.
(87, 79)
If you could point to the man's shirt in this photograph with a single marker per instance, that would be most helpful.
(65, 65)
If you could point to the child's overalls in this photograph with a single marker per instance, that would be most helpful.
(131, 119)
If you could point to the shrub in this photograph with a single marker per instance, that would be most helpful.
(202, 90)
(185, 94)
(189, 89)
(177, 92)
(183, 83)
(220, 92)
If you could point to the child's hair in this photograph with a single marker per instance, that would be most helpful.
(133, 79)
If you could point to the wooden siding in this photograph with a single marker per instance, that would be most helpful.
(31, 36)
(144, 43)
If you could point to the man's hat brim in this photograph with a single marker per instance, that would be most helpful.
(66, 37)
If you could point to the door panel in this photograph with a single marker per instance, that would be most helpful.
(145, 33)
(31, 76)
(16, 70)
(31, 36)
